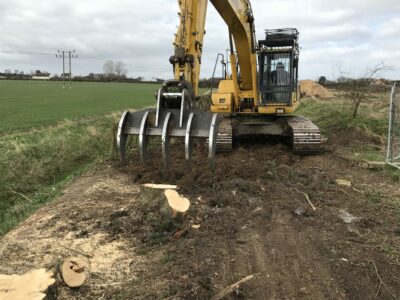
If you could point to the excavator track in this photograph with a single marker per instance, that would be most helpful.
(224, 142)
(305, 135)
(224, 137)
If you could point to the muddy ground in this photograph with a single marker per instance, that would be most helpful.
(249, 217)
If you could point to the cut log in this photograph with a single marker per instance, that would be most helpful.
(31, 285)
(178, 205)
(73, 271)
(160, 186)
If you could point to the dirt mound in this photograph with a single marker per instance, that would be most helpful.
(309, 88)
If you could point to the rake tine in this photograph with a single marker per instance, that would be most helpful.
(213, 141)
(158, 107)
(165, 141)
(182, 109)
(122, 137)
(143, 138)
(188, 140)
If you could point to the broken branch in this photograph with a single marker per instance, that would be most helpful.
(308, 199)
(225, 292)
(19, 194)
(160, 186)
(381, 283)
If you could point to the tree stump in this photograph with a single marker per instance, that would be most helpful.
(73, 271)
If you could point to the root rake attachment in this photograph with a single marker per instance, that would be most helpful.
(175, 116)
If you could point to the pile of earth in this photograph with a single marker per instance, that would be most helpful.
(309, 88)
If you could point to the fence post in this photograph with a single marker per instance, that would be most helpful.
(389, 156)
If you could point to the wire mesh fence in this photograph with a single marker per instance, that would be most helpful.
(393, 150)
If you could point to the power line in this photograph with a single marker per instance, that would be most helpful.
(25, 52)
(71, 55)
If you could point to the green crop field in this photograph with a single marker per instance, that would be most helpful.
(72, 130)
(27, 104)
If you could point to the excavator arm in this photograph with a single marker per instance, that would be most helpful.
(238, 16)
(188, 42)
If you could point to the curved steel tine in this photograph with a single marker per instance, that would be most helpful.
(121, 136)
(182, 109)
(165, 141)
(212, 138)
(188, 140)
(158, 107)
(143, 137)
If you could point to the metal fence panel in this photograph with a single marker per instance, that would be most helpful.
(393, 150)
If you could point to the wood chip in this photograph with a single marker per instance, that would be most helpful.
(343, 182)
(31, 285)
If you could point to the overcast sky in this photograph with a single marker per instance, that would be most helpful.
(343, 34)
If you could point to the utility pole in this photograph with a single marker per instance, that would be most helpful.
(70, 56)
(63, 61)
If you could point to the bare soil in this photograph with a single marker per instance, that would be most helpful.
(309, 88)
(249, 217)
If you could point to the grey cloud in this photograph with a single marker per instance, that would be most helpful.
(353, 33)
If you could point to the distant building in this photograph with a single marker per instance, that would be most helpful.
(41, 77)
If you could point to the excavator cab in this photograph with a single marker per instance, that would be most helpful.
(278, 66)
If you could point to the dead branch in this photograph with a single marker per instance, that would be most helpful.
(106, 284)
(19, 194)
(308, 199)
(382, 283)
(80, 252)
(160, 186)
(225, 292)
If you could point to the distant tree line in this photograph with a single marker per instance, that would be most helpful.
(208, 82)
(21, 75)
(346, 83)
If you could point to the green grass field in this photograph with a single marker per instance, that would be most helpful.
(49, 135)
(27, 104)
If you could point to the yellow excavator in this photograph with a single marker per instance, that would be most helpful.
(256, 98)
